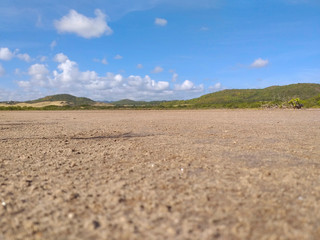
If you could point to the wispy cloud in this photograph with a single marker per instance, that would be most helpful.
(157, 69)
(53, 44)
(24, 56)
(160, 22)
(118, 57)
(2, 71)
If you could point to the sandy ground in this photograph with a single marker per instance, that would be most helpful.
(203, 174)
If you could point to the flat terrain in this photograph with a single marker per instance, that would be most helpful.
(201, 174)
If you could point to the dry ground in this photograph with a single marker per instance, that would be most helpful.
(203, 174)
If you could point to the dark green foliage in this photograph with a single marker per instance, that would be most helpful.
(295, 103)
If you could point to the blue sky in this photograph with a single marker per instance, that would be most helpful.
(155, 49)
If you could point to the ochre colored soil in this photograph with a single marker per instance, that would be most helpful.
(200, 174)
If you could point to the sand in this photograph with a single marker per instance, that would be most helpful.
(200, 174)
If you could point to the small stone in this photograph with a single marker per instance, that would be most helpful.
(96, 224)
(181, 169)
(3, 204)
(70, 215)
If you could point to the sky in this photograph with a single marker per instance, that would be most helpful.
(109, 50)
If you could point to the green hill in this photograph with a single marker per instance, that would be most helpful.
(69, 99)
(242, 98)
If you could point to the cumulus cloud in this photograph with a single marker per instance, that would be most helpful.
(140, 66)
(118, 57)
(160, 22)
(157, 69)
(6, 54)
(68, 78)
(216, 87)
(39, 75)
(60, 57)
(188, 86)
(38, 71)
(2, 70)
(260, 63)
(25, 57)
(83, 26)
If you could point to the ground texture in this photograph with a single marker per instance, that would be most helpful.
(203, 174)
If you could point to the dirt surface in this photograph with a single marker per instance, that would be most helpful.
(203, 174)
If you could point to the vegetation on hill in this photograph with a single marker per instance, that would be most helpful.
(275, 96)
(69, 99)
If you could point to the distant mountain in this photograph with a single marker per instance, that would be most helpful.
(67, 98)
(128, 102)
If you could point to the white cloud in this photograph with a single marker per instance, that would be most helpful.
(17, 71)
(118, 57)
(68, 78)
(103, 61)
(25, 57)
(188, 86)
(140, 66)
(43, 58)
(174, 77)
(6, 54)
(204, 29)
(39, 75)
(216, 87)
(260, 63)
(60, 57)
(160, 22)
(83, 26)
(53, 44)
(157, 69)
(2, 70)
